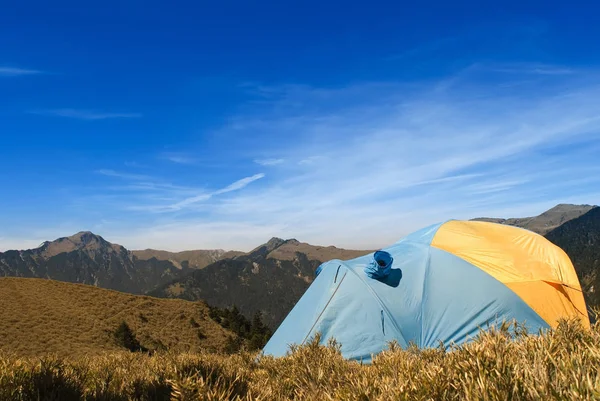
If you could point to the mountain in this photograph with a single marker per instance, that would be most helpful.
(196, 259)
(546, 221)
(288, 249)
(45, 316)
(580, 239)
(89, 259)
(270, 279)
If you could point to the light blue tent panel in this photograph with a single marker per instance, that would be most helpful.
(430, 296)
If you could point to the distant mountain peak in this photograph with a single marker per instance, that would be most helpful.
(86, 237)
(275, 242)
(269, 246)
(83, 241)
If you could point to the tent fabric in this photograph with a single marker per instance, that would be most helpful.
(541, 275)
(443, 283)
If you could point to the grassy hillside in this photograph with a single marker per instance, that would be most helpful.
(561, 365)
(41, 316)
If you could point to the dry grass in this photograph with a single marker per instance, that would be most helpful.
(40, 316)
(563, 364)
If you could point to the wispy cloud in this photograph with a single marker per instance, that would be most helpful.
(362, 173)
(127, 176)
(15, 72)
(134, 164)
(178, 158)
(269, 162)
(84, 114)
(532, 68)
(239, 184)
(189, 201)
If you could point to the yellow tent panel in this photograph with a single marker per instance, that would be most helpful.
(538, 271)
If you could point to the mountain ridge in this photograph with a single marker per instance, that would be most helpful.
(196, 258)
(269, 279)
(88, 258)
(546, 221)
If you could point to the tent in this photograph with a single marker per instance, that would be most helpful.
(442, 283)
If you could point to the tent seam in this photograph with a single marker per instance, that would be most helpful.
(324, 307)
(380, 302)
(423, 294)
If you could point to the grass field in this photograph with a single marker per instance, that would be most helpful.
(561, 365)
(40, 316)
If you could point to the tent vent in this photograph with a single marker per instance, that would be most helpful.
(380, 266)
(382, 322)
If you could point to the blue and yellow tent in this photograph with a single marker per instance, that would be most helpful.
(444, 282)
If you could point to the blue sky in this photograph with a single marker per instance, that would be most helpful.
(204, 125)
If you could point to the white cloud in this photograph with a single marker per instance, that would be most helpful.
(135, 164)
(15, 72)
(532, 68)
(189, 201)
(85, 114)
(269, 162)
(178, 158)
(373, 162)
(127, 176)
(240, 184)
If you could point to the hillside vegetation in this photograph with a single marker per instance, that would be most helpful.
(41, 316)
(561, 365)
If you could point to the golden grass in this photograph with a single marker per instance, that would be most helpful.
(40, 316)
(561, 365)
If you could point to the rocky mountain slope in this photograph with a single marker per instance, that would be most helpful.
(546, 221)
(42, 316)
(580, 239)
(270, 279)
(89, 259)
(195, 259)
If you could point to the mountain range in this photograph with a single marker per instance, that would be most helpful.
(271, 278)
(88, 258)
(196, 259)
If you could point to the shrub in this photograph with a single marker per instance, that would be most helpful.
(125, 337)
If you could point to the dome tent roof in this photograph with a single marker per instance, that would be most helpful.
(446, 282)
